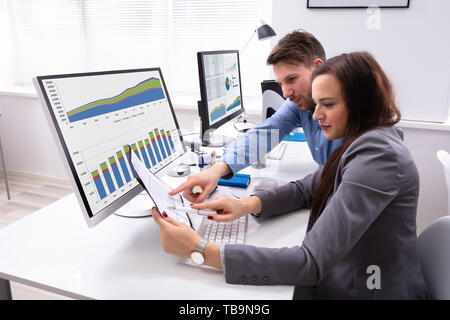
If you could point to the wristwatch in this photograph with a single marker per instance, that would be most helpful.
(197, 256)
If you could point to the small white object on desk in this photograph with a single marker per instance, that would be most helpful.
(243, 125)
(263, 184)
(277, 152)
(180, 170)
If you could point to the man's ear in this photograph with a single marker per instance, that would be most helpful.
(317, 62)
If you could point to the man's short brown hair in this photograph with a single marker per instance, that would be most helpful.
(297, 47)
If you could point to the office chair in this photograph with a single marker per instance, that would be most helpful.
(444, 157)
(434, 254)
(4, 167)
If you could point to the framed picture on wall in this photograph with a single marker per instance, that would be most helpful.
(329, 4)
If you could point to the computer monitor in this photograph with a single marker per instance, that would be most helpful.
(94, 116)
(221, 92)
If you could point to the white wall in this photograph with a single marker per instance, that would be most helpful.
(412, 45)
(423, 144)
(27, 142)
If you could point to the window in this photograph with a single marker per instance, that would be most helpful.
(62, 36)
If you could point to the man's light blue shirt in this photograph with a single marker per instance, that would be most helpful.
(242, 152)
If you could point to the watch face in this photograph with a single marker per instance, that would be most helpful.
(197, 257)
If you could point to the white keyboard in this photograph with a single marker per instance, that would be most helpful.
(277, 152)
(224, 232)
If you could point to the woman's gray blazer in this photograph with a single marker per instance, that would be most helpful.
(364, 244)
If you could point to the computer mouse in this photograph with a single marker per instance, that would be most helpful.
(263, 184)
(180, 170)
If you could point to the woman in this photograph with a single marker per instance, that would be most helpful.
(363, 202)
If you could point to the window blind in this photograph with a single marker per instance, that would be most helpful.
(87, 35)
(46, 38)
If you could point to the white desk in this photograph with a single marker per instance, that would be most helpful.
(121, 258)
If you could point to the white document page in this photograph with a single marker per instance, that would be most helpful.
(158, 191)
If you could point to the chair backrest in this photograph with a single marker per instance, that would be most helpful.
(434, 253)
(444, 157)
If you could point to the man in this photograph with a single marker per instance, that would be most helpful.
(294, 59)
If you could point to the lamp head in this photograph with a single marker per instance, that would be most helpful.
(265, 31)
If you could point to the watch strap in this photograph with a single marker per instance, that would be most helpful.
(201, 245)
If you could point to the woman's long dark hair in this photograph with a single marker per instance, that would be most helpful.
(370, 101)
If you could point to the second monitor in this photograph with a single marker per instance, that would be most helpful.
(221, 92)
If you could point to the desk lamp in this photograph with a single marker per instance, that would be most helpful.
(264, 32)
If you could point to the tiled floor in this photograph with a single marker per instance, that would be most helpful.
(28, 194)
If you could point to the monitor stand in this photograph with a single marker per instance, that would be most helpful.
(217, 140)
(195, 142)
(212, 139)
(138, 207)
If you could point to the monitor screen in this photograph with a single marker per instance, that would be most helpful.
(220, 87)
(94, 116)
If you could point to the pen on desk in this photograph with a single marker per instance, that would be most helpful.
(212, 193)
(213, 155)
(191, 210)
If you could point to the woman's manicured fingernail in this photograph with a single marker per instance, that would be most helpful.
(210, 217)
(164, 214)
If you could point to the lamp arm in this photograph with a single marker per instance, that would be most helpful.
(245, 46)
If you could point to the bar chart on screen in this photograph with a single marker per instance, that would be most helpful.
(110, 170)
